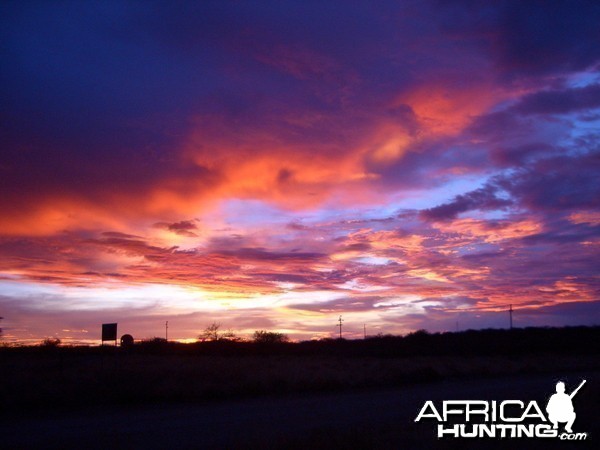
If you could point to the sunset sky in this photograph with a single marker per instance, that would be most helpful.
(273, 165)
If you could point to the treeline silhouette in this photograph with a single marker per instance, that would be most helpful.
(519, 341)
(568, 340)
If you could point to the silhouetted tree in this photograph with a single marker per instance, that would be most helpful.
(269, 337)
(210, 333)
(213, 333)
(50, 342)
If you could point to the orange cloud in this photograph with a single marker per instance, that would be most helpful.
(491, 231)
(587, 217)
(297, 159)
(262, 165)
(54, 215)
(443, 110)
(388, 144)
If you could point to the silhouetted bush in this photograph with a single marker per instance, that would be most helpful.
(50, 342)
(269, 337)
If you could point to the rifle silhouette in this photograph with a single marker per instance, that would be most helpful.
(576, 390)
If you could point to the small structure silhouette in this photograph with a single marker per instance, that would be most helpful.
(560, 407)
(127, 341)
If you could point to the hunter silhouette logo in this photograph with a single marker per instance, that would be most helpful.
(505, 419)
(560, 407)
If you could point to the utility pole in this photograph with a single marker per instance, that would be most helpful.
(365, 330)
(167, 330)
(340, 325)
(510, 311)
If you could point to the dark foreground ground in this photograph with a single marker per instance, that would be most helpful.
(374, 418)
(317, 395)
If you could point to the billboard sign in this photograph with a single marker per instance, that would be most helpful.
(109, 332)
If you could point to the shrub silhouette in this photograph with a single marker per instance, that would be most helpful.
(127, 341)
(269, 337)
(50, 342)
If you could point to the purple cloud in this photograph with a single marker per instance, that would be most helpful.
(484, 199)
